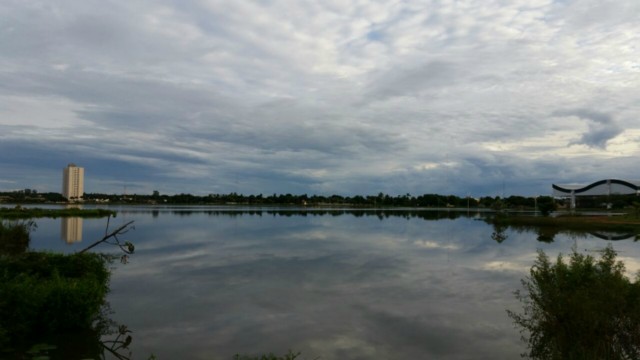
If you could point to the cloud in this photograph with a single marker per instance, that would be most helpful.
(319, 97)
(602, 127)
(399, 82)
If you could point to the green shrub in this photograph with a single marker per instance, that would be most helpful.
(546, 205)
(14, 236)
(583, 309)
(43, 293)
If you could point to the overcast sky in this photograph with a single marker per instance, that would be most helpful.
(320, 96)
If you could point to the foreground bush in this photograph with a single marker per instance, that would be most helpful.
(583, 309)
(45, 293)
(14, 236)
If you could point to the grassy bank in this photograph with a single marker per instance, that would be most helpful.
(32, 213)
(625, 222)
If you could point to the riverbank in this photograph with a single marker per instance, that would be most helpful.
(19, 212)
(576, 221)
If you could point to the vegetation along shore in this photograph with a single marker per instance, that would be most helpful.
(19, 212)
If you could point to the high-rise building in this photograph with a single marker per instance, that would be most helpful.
(73, 182)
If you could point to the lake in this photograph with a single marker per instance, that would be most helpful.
(207, 282)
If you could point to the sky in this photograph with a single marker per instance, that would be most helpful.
(480, 98)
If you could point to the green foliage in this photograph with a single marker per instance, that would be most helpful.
(583, 309)
(19, 212)
(636, 209)
(573, 222)
(498, 205)
(288, 356)
(546, 204)
(48, 298)
(15, 236)
(44, 293)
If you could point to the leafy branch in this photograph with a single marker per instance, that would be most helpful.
(119, 344)
(112, 238)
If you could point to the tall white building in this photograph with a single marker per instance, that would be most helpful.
(73, 182)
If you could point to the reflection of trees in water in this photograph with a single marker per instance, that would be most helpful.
(104, 340)
(547, 233)
(425, 214)
(118, 346)
(580, 309)
(499, 233)
(114, 339)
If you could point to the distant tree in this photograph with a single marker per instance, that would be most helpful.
(52, 197)
(519, 201)
(486, 201)
(636, 208)
(546, 204)
(498, 204)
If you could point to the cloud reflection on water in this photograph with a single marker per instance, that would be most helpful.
(205, 286)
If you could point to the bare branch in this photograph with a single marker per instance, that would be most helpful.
(114, 234)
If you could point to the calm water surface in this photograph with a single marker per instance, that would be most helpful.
(207, 283)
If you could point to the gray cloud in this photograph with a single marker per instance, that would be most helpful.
(602, 127)
(399, 82)
(316, 97)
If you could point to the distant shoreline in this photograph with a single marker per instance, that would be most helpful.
(626, 221)
(19, 212)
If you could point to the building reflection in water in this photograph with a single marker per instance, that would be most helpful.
(71, 229)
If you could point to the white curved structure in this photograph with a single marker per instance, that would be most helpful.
(598, 188)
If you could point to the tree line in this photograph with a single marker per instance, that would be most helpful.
(379, 200)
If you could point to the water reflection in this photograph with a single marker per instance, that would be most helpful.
(422, 213)
(347, 286)
(499, 233)
(71, 229)
(106, 340)
(612, 235)
(548, 234)
(333, 284)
